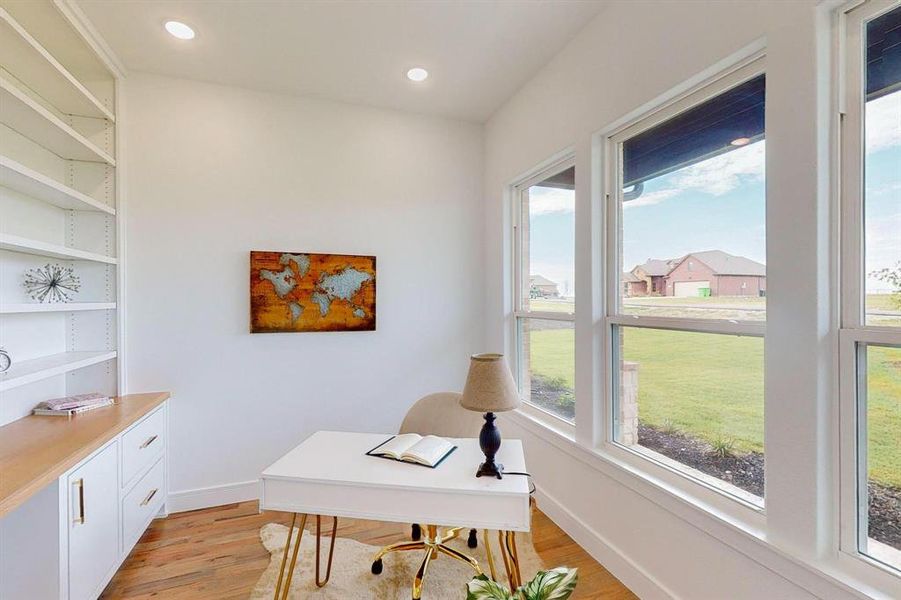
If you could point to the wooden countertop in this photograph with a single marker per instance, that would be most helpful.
(34, 451)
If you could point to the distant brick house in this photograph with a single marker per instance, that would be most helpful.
(633, 286)
(722, 273)
(650, 278)
(542, 287)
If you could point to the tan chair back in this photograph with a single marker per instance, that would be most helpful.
(441, 414)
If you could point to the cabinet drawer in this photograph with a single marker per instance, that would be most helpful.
(142, 503)
(142, 445)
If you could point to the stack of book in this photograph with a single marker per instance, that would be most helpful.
(72, 405)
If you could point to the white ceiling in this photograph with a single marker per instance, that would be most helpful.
(478, 52)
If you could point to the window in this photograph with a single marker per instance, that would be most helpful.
(686, 222)
(544, 303)
(870, 341)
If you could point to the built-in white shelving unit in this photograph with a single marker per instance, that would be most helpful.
(15, 243)
(26, 181)
(47, 77)
(34, 307)
(37, 369)
(59, 203)
(29, 117)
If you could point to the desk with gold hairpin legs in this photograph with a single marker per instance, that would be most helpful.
(434, 543)
(351, 484)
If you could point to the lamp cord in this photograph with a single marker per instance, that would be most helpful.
(529, 475)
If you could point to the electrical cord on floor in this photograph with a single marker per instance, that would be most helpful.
(529, 475)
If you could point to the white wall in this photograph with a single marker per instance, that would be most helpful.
(656, 542)
(215, 172)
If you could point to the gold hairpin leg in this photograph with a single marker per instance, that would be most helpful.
(331, 550)
(515, 554)
(487, 545)
(281, 570)
(293, 564)
(507, 541)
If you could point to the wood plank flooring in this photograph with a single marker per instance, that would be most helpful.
(216, 554)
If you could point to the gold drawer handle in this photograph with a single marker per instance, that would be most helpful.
(150, 496)
(80, 485)
(149, 441)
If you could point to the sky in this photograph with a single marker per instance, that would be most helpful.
(719, 204)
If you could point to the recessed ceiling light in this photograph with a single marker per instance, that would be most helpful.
(417, 74)
(740, 141)
(180, 30)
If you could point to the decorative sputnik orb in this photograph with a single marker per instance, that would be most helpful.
(52, 283)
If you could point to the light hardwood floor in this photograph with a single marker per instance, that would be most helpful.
(216, 554)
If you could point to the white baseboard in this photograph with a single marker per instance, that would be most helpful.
(643, 584)
(216, 495)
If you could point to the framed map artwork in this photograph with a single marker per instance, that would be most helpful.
(295, 291)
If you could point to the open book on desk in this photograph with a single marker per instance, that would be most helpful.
(427, 451)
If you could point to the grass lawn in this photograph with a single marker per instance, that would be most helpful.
(549, 305)
(884, 414)
(882, 302)
(711, 386)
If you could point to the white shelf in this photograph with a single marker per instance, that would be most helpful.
(24, 114)
(14, 243)
(31, 183)
(28, 60)
(29, 371)
(63, 307)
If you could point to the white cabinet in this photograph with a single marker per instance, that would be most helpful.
(66, 541)
(93, 502)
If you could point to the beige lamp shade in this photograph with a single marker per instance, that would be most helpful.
(489, 385)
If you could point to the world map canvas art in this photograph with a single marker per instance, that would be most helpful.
(294, 291)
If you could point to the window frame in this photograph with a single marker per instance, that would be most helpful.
(562, 162)
(854, 333)
(613, 318)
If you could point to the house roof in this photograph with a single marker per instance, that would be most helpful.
(723, 263)
(630, 277)
(540, 280)
(656, 267)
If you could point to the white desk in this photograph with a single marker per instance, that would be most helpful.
(330, 474)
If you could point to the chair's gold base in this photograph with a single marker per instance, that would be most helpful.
(281, 592)
(435, 544)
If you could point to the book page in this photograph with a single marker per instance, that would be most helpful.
(428, 451)
(396, 447)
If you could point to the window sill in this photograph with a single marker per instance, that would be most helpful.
(740, 526)
(558, 425)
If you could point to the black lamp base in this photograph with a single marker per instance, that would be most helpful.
(490, 442)
(490, 470)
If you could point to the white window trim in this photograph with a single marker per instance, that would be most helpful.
(854, 332)
(610, 187)
(744, 530)
(559, 162)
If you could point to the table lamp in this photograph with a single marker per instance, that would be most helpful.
(489, 389)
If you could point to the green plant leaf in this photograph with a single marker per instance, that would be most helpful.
(556, 584)
(483, 588)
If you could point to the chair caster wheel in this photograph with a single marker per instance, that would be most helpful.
(377, 567)
(416, 534)
(473, 541)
